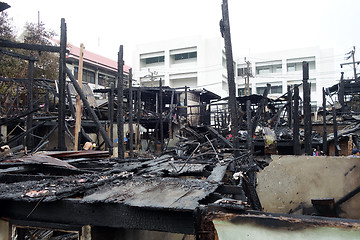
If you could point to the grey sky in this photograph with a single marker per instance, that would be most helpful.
(256, 26)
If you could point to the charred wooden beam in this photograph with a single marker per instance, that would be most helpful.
(225, 32)
(289, 107)
(111, 113)
(89, 109)
(18, 55)
(27, 46)
(30, 91)
(62, 81)
(131, 129)
(296, 134)
(341, 92)
(324, 137)
(307, 109)
(336, 143)
(120, 104)
(161, 116)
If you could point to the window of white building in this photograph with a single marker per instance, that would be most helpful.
(295, 64)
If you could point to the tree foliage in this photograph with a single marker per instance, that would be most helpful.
(11, 67)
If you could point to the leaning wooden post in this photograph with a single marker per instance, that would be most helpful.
(225, 32)
(325, 146)
(296, 140)
(341, 93)
(307, 109)
(62, 80)
(78, 100)
(120, 107)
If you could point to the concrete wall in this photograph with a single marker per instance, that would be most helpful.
(290, 182)
(4, 230)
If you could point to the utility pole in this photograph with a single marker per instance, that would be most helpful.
(152, 76)
(351, 54)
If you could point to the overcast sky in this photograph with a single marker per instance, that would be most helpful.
(256, 25)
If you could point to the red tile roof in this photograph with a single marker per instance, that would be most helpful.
(95, 59)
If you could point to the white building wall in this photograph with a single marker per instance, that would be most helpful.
(206, 71)
(322, 75)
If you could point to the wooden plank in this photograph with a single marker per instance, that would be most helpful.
(78, 100)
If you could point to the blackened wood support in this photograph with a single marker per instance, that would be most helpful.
(296, 117)
(71, 105)
(307, 109)
(91, 112)
(225, 32)
(324, 137)
(138, 116)
(62, 80)
(249, 127)
(341, 92)
(161, 116)
(289, 107)
(27, 46)
(29, 120)
(131, 129)
(111, 113)
(120, 104)
(186, 103)
(336, 143)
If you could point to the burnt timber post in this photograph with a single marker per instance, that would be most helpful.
(131, 129)
(186, 103)
(296, 118)
(289, 107)
(120, 101)
(341, 92)
(324, 137)
(29, 119)
(307, 109)
(161, 116)
(62, 80)
(111, 113)
(225, 32)
(138, 116)
(335, 131)
(249, 127)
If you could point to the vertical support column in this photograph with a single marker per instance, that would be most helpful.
(249, 126)
(297, 146)
(161, 116)
(336, 143)
(186, 103)
(225, 31)
(325, 146)
(29, 120)
(120, 101)
(307, 109)
(341, 92)
(111, 113)
(131, 129)
(62, 80)
(138, 117)
(78, 101)
(289, 107)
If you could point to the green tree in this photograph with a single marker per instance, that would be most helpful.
(9, 66)
(48, 64)
(12, 67)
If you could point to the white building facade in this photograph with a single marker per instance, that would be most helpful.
(194, 62)
(284, 68)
